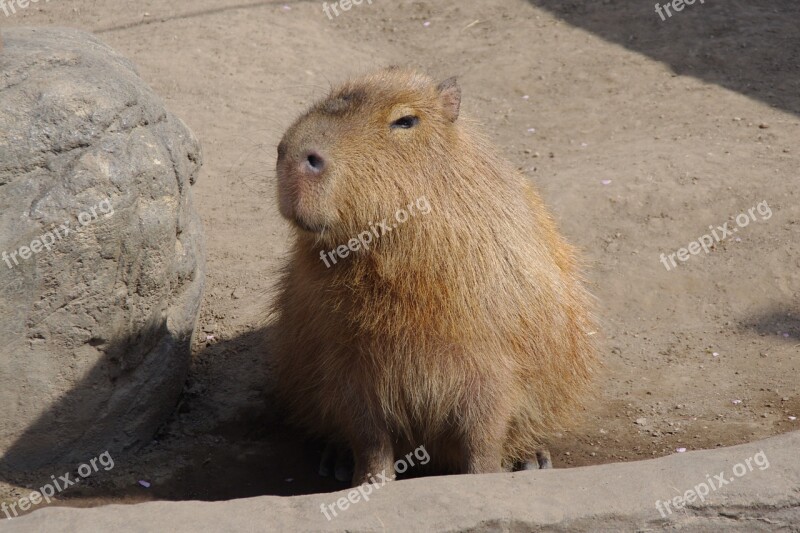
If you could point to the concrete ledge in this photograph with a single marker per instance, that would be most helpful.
(614, 497)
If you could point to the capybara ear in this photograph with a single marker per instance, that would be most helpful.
(450, 94)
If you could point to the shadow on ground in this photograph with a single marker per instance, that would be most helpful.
(733, 44)
(222, 440)
(784, 322)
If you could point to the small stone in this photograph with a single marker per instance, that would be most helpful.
(763, 126)
(641, 421)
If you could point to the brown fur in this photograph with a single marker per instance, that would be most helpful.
(465, 330)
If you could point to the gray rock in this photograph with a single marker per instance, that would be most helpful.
(762, 493)
(102, 264)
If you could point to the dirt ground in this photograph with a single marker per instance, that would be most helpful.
(640, 133)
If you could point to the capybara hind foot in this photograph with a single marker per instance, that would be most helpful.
(336, 460)
(541, 462)
(481, 455)
(543, 459)
(328, 461)
(374, 462)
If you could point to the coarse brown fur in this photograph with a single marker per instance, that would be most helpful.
(466, 329)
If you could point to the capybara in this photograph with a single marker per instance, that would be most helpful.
(462, 325)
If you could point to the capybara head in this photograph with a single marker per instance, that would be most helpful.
(367, 149)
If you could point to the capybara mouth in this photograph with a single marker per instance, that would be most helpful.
(291, 192)
(291, 211)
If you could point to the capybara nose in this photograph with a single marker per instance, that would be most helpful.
(313, 164)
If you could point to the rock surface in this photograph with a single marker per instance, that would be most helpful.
(611, 497)
(102, 265)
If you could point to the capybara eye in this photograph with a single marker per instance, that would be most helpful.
(406, 122)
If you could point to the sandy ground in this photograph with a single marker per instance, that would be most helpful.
(641, 133)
